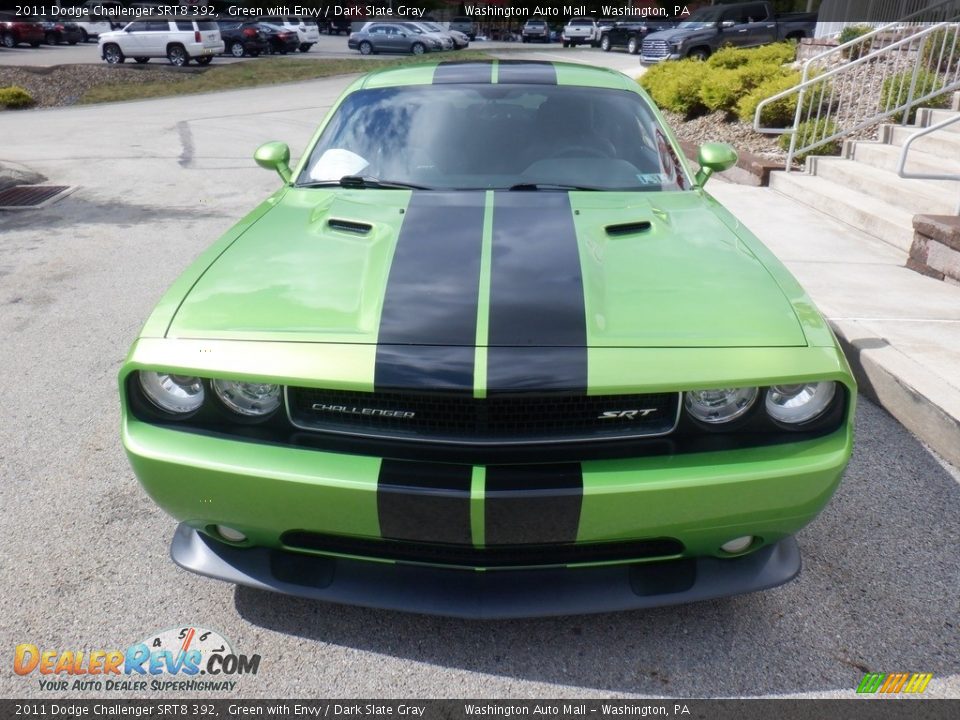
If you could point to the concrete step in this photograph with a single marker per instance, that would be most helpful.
(887, 222)
(886, 157)
(942, 142)
(930, 117)
(931, 197)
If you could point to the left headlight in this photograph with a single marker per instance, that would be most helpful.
(799, 403)
(720, 405)
(176, 394)
(250, 399)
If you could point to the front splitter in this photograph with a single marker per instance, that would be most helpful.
(489, 594)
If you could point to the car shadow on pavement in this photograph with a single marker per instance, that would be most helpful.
(879, 592)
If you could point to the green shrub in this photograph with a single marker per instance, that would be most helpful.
(776, 54)
(811, 131)
(852, 32)
(15, 97)
(941, 51)
(896, 90)
(722, 87)
(675, 86)
(776, 114)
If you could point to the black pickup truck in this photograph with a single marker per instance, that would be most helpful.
(630, 34)
(710, 28)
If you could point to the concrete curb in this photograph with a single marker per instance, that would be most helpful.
(923, 403)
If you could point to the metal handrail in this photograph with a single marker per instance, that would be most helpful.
(901, 165)
(821, 79)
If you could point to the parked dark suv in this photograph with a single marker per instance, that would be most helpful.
(14, 31)
(630, 34)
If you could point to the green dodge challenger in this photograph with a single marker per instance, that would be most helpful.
(490, 351)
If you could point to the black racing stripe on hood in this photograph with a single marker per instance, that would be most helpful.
(463, 72)
(537, 322)
(424, 502)
(526, 72)
(532, 504)
(428, 324)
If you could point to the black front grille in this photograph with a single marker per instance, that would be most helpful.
(454, 418)
(654, 49)
(503, 556)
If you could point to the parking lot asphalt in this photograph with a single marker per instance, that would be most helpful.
(84, 550)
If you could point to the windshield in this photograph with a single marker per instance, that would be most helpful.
(702, 18)
(496, 137)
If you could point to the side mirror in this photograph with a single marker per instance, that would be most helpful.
(275, 156)
(727, 24)
(714, 157)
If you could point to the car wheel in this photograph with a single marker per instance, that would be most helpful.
(366, 48)
(418, 48)
(305, 47)
(141, 60)
(566, 44)
(177, 55)
(50, 39)
(83, 35)
(699, 54)
(632, 46)
(71, 42)
(206, 60)
(113, 54)
(236, 49)
(605, 44)
(35, 43)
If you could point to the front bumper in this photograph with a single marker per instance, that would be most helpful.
(486, 595)
(646, 60)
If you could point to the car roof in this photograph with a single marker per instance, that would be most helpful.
(566, 74)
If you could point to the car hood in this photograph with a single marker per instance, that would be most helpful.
(678, 34)
(544, 269)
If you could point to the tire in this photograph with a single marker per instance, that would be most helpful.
(113, 54)
(205, 60)
(418, 48)
(177, 55)
(699, 54)
(633, 47)
(305, 47)
(50, 39)
(595, 43)
(142, 60)
(84, 37)
(366, 48)
(566, 44)
(236, 49)
(605, 43)
(71, 42)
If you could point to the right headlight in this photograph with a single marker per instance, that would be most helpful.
(799, 403)
(250, 399)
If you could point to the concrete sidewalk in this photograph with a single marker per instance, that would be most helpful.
(900, 329)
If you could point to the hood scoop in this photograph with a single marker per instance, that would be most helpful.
(350, 226)
(630, 228)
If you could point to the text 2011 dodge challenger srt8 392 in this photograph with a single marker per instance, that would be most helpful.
(490, 351)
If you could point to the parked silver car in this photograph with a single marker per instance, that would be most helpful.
(392, 37)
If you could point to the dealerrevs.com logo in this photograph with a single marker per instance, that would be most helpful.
(179, 659)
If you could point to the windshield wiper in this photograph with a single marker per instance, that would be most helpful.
(365, 181)
(549, 186)
(358, 181)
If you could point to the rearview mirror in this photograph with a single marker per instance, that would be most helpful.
(275, 156)
(714, 157)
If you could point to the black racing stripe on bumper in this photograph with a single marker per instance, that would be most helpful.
(526, 72)
(430, 302)
(463, 72)
(532, 504)
(424, 502)
(537, 321)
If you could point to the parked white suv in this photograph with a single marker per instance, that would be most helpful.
(581, 31)
(307, 31)
(180, 41)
